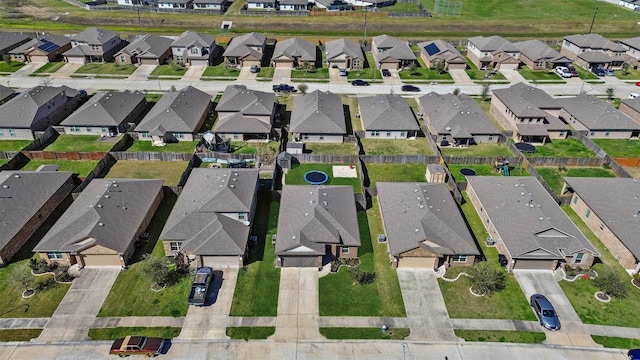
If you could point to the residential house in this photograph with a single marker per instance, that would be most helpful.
(245, 114)
(493, 52)
(11, 40)
(631, 108)
(424, 227)
(527, 225)
(539, 56)
(532, 114)
(261, 5)
(334, 5)
(372, 3)
(220, 5)
(43, 49)
(345, 54)
(609, 207)
(391, 53)
(27, 198)
(293, 53)
(245, 50)
(6, 94)
(293, 5)
(211, 221)
(177, 116)
(94, 45)
(597, 118)
(387, 117)
(632, 54)
(318, 117)
(175, 4)
(593, 50)
(107, 113)
(194, 49)
(630, 4)
(36, 109)
(103, 224)
(146, 50)
(443, 52)
(316, 224)
(457, 120)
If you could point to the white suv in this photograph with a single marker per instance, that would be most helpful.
(563, 71)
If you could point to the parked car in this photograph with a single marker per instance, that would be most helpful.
(386, 72)
(634, 354)
(359, 82)
(200, 286)
(254, 68)
(572, 70)
(633, 95)
(563, 71)
(284, 88)
(137, 345)
(609, 72)
(598, 71)
(410, 88)
(343, 72)
(545, 312)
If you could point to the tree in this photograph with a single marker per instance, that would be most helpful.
(156, 269)
(45, 82)
(438, 66)
(456, 91)
(625, 69)
(485, 92)
(611, 283)
(21, 276)
(362, 277)
(610, 93)
(413, 68)
(486, 278)
(7, 59)
(303, 88)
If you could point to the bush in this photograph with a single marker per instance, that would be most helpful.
(362, 277)
(38, 265)
(21, 276)
(486, 278)
(156, 269)
(45, 282)
(611, 283)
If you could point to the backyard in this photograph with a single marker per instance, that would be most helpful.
(81, 143)
(570, 147)
(170, 171)
(553, 176)
(240, 147)
(483, 170)
(620, 148)
(295, 176)
(477, 150)
(13, 145)
(395, 173)
(331, 148)
(81, 167)
(419, 146)
(179, 147)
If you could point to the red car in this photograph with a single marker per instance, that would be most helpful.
(137, 345)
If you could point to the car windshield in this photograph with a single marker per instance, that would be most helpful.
(548, 313)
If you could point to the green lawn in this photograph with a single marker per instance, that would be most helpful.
(419, 146)
(13, 66)
(402, 7)
(373, 333)
(589, 75)
(523, 337)
(396, 173)
(569, 147)
(620, 148)
(169, 70)
(477, 74)
(335, 148)
(81, 167)
(259, 275)
(554, 178)
(221, 71)
(13, 145)
(380, 298)
(533, 75)
(484, 170)
(477, 229)
(250, 333)
(265, 73)
(478, 150)
(170, 171)
(616, 342)
(110, 69)
(146, 146)
(164, 332)
(630, 75)
(255, 147)
(322, 74)
(82, 143)
(295, 176)
(422, 73)
(49, 67)
(19, 334)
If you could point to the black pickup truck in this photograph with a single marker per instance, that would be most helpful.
(200, 286)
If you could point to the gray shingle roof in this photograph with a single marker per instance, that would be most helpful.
(451, 111)
(447, 52)
(423, 215)
(394, 48)
(192, 38)
(536, 49)
(21, 111)
(105, 109)
(108, 213)
(634, 104)
(295, 48)
(241, 46)
(593, 41)
(242, 110)
(148, 47)
(632, 42)
(5, 92)
(95, 36)
(22, 195)
(616, 201)
(46, 43)
(493, 44)
(386, 112)
(10, 39)
(293, 2)
(341, 46)
(196, 218)
(528, 220)
(312, 216)
(596, 114)
(177, 111)
(595, 56)
(318, 113)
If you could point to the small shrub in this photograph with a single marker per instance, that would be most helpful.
(636, 276)
(22, 277)
(611, 283)
(45, 282)
(63, 276)
(38, 266)
(486, 278)
(362, 277)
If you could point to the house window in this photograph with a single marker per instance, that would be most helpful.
(345, 249)
(575, 199)
(356, 63)
(179, 58)
(144, 135)
(607, 133)
(375, 133)
(194, 50)
(601, 226)
(587, 214)
(122, 58)
(490, 137)
(178, 135)
(241, 216)
(561, 133)
(388, 133)
(403, 133)
(75, 129)
(579, 258)
(54, 255)
(459, 258)
(89, 129)
(321, 137)
(305, 137)
(103, 129)
(175, 246)
(95, 47)
(1, 133)
(236, 136)
(12, 133)
(593, 133)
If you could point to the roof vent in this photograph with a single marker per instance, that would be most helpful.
(100, 224)
(107, 196)
(417, 230)
(17, 176)
(541, 218)
(232, 186)
(5, 186)
(99, 206)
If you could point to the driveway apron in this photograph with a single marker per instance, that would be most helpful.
(194, 73)
(79, 307)
(142, 72)
(460, 77)
(298, 307)
(281, 75)
(513, 76)
(426, 311)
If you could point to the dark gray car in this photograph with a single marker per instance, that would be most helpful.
(545, 312)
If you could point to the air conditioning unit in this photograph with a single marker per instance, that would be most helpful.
(490, 241)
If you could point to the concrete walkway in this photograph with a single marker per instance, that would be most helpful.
(298, 306)
(426, 311)
(137, 321)
(23, 323)
(77, 311)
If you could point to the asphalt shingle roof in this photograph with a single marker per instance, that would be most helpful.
(395, 48)
(94, 36)
(493, 44)
(447, 52)
(295, 48)
(10, 39)
(536, 49)
(593, 41)
(46, 43)
(341, 46)
(451, 111)
(386, 112)
(596, 114)
(148, 47)
(192, 38)
(105, 108)
(632, 42)
(318, 113)
(242, 110)
(21, 111)
(177, 111)
(242, 45)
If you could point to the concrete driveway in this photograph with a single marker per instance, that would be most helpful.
(246, 74)
(460, 77)
(394, 79)
(27, 69)
(298, 307)
(281, 75)
(142, 72)
(573, 332)
(513, 76)
(65, 71)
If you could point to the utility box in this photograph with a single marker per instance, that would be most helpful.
(436, 174)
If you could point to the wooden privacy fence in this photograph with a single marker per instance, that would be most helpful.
(572, 161)
(151, 156)
(64, 155)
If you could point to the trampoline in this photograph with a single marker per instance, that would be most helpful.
(316, 177)
(467, 172)
(525, 147)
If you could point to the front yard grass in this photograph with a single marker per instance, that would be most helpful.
(380, 298)
(103, 69)
(620, 148)
(50, 67)
(250, 333)
(554, 178)
(164, 332)
(295, 176)
(483, 170)
(80, 143)
(616, 342)
(423, 73)
(369, 333)
(173, 70)
(179, 147)
(478, 150)
(569, 147)
(12, 66)
(19, 334)
(13, 145)
(221, 70)
(534, 75)
(333, 148)
(396, 173)
(265, 73)
(477, 74)
(630, 74)
(321, 74)
(81, 167)
(170, 171)
(258, 283)
(589, 75)
(419, 146)
(523, 337)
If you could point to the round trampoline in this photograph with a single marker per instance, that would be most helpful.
(316, 177)
(467, 172)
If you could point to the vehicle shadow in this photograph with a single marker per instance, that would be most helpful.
(214, 288)
(166, 347)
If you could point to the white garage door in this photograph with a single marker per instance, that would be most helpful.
(300, 261)
(101, 260)
(283, 64)
(220, 261)
(75, 60)
(417, 262)
(199, 62)
(534, 264)
(248, 63)
(508, 66)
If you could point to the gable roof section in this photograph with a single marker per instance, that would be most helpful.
(594, 42)
(441, 50)
(525, 216)
(10, 39)
(191, 38)
(423, 215)
(312, 216)
(318, 113)
(527, 101)
(451, 111)
(106, 109)
(392, 49)
(536, 50)
(295, 48)
(342, 46)
(21, 111)
(595, 56)
(632, 42)
(242, 110)
(386, 112)
(94, 36)
(46, 43)
(108, 213)
(5, 93)
(596, 114)
(241, 46)
(177, 111)
(148, 47)
(493, 44)
(22, 195)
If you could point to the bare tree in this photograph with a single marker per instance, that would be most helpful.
(485, 92)
(21, 276)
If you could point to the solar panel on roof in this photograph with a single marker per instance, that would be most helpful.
(431, 49)
(47, 46)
